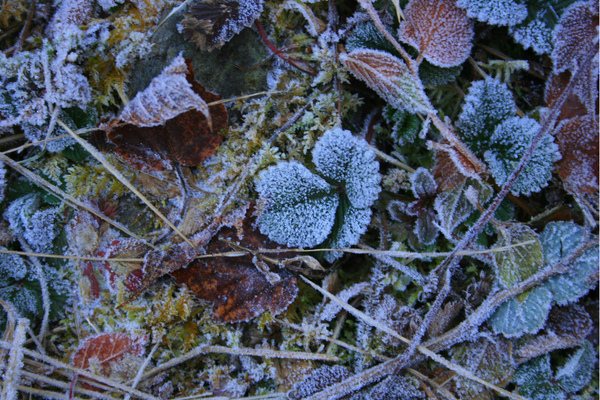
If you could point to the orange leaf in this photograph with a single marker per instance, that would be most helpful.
(440, 30)
(105, 350)
(390, 77)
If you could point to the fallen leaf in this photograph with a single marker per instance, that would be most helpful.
(100, 354)
(239, 287)
(390, 77)
(210, 24)
(169, 121)
(577, 140)
(439, 29)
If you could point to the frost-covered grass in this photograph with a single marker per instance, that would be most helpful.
(410, 187)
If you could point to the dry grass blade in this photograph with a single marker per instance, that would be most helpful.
(31, 254)
(66, 197)
(123, 180)
(454, 367)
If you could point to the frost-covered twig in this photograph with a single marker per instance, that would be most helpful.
(138, 376)
(12, 373)
(334, 392)
(98, 156)
(65, 257)
(64, 385)
(266, 353)
(44, 287)
(391, 160)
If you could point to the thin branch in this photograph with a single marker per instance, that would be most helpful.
(391, 160)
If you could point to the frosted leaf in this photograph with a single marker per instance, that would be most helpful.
(576, 36)
(350, 224)
(168, 95)
(300, 205)
(70, 12)
(490, 360)
(488, 103)
(422, 183)
(12, 268)
(367, 36)
(558, 240)
(516, 264)
(405, 126)
(440, 30)
(536, 34)
(347, 160)
(318, 380)
(509, 141)
(495, 12)
(525, 313)
(453, 207)
(577, 139)
(71, 87)
(577, 371)
(534, 380)
(108, 4)
(567, 326)
(389, 77)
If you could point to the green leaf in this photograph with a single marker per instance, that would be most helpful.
(405, 126)
(522, 314)
(559, 239)
(577, 371)
(516, 264)
(534, 380)
(76, 153)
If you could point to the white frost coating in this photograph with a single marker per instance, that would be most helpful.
(249, 10)
(300, 210)
(511, 139)
(535, 35)
(355, 222)
(495, 12)
(168, 95)
(423, 183)
(12, 374)
(332, 308)
(348, 160)
(12, 267)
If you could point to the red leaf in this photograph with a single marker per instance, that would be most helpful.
(440, 30)
(105, 350)
(161, 128)
(236, 287)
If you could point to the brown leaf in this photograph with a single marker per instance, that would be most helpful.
(461, 163)
(567, 327)
(210, 24)
(390, 77)
(575, 41)
(446, 173)
(577, 140)
(440, 30)
(163, 123)
(238, 287)
(104, 350)
(555, 85)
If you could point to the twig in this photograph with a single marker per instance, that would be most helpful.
(65, 385)
(31, 254)
(390, 159)
(12, 373)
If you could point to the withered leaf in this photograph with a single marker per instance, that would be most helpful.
(390, 77)
(236, 286)
(577, 139)
(446, 173)
(100, 353)
(168, 122)
(439, 29)
(212, 23)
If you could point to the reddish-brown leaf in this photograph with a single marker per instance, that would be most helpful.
(555, 85)
(235, 285)
(168, 122)
(446, 173)
(461, 163)
(390, 77)
(105, 350)
(577, 140)
(440, 30)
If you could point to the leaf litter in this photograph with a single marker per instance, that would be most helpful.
(162, 251)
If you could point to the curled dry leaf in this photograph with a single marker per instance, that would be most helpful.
(390, 77)
(238, 287)
(169, 121)
(210, 24)
(440, 30)
(101, 354)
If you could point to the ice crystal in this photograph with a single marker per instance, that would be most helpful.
(495, 12)
(303, 209)
(536, 35)
(510, 141)
(488, 103)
